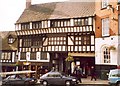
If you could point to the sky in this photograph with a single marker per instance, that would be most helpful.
(10, 11)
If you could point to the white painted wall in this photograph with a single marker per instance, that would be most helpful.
(107, 41)
(119, 50)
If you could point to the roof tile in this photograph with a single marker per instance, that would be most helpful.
(57, 10)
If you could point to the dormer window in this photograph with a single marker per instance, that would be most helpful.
(11, 39)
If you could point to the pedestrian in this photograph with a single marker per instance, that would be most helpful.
(69, 71)
(78, 72)
(93, 74)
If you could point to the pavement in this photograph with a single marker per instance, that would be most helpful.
(87, 81)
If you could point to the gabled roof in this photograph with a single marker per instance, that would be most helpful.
(4, 45)
(57, 10)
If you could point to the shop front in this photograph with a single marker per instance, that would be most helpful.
(39, 67)
(85, 61)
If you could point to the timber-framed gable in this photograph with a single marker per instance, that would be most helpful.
(61, 32)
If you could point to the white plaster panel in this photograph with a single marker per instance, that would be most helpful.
(70, 42)
(108, 41)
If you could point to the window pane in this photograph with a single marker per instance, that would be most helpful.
(106, 54)
(105, 27)
(104, 3)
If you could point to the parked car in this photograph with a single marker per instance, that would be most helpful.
(18, 80)
(114, 77)
(57, 78)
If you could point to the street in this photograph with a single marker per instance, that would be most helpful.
(80, 85)
(76, 85)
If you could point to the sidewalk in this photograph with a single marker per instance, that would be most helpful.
(87, 81)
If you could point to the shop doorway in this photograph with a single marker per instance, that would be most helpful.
(85, 63)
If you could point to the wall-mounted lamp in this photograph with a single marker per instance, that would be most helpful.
(110, 7)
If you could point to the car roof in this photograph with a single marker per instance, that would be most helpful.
(51, 72)
(115, 71)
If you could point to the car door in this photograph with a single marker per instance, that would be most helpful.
(19, 80)
(11, 80)
(58, 80)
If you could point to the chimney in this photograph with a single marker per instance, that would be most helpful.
(28, 3)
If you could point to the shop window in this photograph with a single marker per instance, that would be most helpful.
(105, 27)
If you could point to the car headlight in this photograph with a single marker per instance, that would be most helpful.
(73, 79)
(32, 80)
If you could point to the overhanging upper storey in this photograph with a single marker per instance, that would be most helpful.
(56, 18)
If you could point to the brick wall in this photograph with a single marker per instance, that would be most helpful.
(105, 13)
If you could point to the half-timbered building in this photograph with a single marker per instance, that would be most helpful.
(48, 33)
(8, 51)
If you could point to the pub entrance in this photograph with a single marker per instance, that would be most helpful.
(85, 63)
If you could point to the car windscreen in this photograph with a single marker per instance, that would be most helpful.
(114, 73)
(54, 75)
(64, 74)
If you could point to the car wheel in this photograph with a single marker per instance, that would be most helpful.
(26, 83)
(45, 83)
(7, 84)
(68, 83)
(118, 84)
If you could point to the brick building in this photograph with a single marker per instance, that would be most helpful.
(107, 30)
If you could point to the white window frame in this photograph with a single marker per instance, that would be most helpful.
(105, 3)
(105, 27)
(106, 55)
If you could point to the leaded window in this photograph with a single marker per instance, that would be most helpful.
(43, 56)
(6, 56)
(36, 25)
(57, 41)
(26, 42)
(37, 41)
(81, 21)
(25, 26)
(33, 56)
(60, 23)
(23, 56)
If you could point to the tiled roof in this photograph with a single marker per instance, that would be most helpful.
(57, 10)
(4, 45)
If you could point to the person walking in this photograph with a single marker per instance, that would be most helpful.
(78, 71)
(93, 74)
